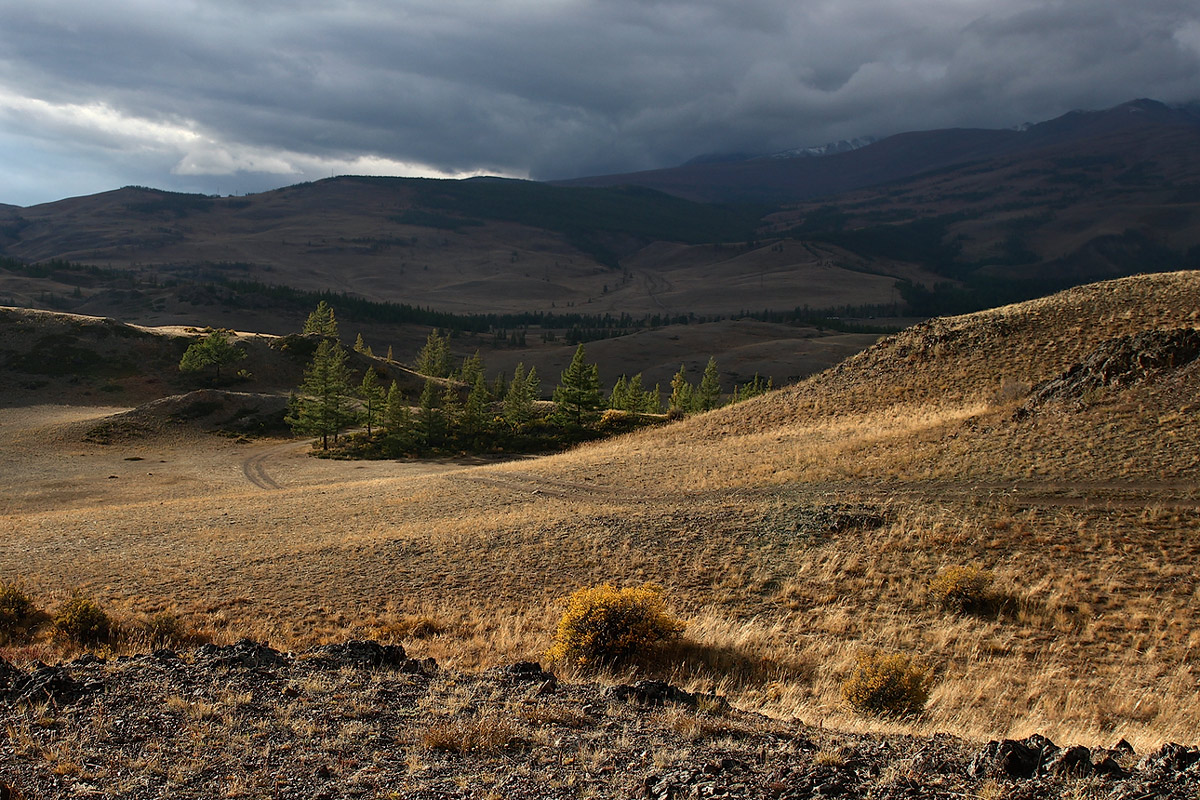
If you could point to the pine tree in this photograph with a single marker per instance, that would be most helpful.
(430, 427)
(452, 409)
(434, 359)
(577, 396)
(359, 345)
(396, 414)
(390, 358)
(518, 401)
(475, 417)
(709, 394)
(322, 406)
(322, 322)
(683, 394)
(752, 388)
(652, 400)
(533, 385)
(472, 368)
(373, 399)
(212, 350)
(618, 398)
(499, 388)
(644, 400)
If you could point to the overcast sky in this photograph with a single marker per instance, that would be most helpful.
(233, 96)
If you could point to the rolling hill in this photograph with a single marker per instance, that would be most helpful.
(918, 224)
(1051, 444)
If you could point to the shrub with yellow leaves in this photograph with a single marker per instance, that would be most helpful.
(887, 685)
(604, 625)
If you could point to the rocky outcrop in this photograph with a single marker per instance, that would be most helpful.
(1124, 361)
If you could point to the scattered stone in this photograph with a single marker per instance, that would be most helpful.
(1171, 757)
(164, 656)
(243, 653)
(1073, 762)
(1107, 766)
(1011, 758)
(51, 685)
(10, 676)
(522, 672)
(622, 750)
(652, 693)
(363, 654)
(87, 660)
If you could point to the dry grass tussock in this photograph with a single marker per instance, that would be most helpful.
(788, 536)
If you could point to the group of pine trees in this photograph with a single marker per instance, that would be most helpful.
(459, 410)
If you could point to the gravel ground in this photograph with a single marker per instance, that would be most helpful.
(362, 720)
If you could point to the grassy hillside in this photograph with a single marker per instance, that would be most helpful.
(791, 532)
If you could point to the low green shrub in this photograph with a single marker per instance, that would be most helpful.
(887, 685)
(606, 626)
(83, 621)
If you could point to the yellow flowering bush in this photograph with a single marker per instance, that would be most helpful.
(604, 625)
(888, 685)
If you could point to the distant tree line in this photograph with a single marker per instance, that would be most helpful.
(459, 410)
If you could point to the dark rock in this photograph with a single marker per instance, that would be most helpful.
(10, 676)
(1119, 362)
(87, 660)
(51, 685)
(1009, 758)
(1171, 757)
(651, 693)
(419, 666)
(1123, 747)
(1073, 762)
(363, 654)
(1108, 767)
(243, 653)
(523, 672)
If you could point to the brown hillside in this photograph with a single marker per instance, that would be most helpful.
(792, 532)
(940, 401)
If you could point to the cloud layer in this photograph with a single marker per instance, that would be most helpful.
(229, 96)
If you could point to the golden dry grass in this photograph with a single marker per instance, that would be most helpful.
(790, 532)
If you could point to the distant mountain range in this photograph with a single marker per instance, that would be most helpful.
(924, 223)
(791, 177)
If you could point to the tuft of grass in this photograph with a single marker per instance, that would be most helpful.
(966, 589)
(606, 626)
(487, 733)
(887, 685)
(165, 629)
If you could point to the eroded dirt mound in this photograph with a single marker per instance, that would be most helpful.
(206, 409)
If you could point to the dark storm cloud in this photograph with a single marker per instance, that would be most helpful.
(224, 95)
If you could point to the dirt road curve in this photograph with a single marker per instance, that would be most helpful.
(254, 466)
